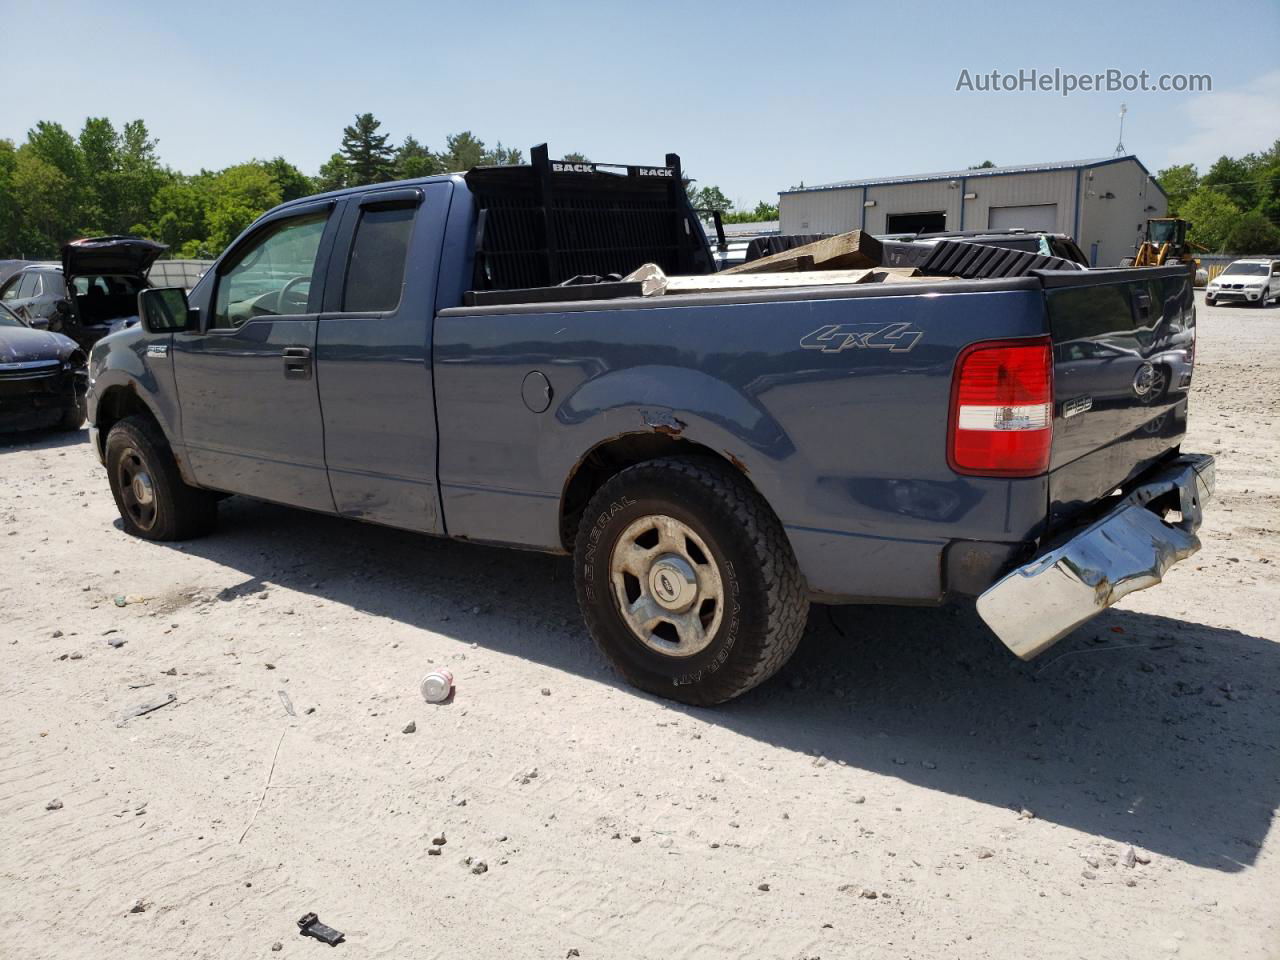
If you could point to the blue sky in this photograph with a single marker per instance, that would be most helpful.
(755, 97)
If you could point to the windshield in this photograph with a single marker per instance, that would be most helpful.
(1164, 231)
(1238, 269)
(8, 318)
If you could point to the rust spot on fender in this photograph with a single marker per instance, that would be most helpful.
(663, 421)
(736, 462)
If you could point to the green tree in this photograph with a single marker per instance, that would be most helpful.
(1266, 176)
(238, 196)
(1211, 213)
(178, 218)
(761, 212)
(415, 160)
(334, 174)
(47, 211)
(1233, 176)
(100, 152)
(8, 201)
(462, 152)
(368, 158)
(984, 165)
(501, 156)
(136, 181)
(1252, 233)
(710, 197)
(293, 183)
(1178, 183)
(575, 158)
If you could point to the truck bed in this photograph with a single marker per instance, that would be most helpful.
(847, 442)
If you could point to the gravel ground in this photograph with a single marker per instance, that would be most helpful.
(903, 789)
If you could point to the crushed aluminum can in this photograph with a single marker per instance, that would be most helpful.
(437, 686)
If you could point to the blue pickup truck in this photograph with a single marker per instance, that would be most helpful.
(431, 355)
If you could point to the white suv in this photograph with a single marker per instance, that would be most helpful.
(1245, 281)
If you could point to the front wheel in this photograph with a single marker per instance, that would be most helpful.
(687, 581)
(153, 500)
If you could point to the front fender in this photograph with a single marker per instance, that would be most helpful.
(140, 365)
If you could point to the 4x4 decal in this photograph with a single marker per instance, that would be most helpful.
(835, 337)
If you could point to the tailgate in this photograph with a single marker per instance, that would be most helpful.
(1123, 348)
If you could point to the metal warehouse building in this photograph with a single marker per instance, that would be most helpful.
(1102, 203)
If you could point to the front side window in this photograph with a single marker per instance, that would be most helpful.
(10, 291)
(375, 274)
(271, 275)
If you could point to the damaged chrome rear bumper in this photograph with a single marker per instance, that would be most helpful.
(1129, 549)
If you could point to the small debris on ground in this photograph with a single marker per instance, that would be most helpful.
(54, 804)
(310, 926)
(140, 905)
(410, 727)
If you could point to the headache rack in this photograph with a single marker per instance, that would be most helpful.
(553, 220)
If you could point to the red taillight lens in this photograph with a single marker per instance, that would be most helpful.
(1002, 409)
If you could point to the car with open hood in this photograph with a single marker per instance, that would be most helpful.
(94, 288)
(43, 377)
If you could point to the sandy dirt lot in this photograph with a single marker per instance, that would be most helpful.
(904, 788)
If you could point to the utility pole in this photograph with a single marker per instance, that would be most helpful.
(1120, 151)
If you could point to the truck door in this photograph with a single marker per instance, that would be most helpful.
(373, 357)
(246, 381)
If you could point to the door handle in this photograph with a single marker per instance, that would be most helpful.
(297, 363)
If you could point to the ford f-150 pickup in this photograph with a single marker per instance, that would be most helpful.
(463, 356)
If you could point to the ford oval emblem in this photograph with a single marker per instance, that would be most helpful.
(1144, 380)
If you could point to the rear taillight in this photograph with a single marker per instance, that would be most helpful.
(1002, 409)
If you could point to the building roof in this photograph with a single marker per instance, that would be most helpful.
(969, 174)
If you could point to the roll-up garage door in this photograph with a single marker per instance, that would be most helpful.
(1036, 216)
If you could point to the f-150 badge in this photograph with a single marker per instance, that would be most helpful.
(835, 337)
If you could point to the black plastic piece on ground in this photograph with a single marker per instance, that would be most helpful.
(310, 926)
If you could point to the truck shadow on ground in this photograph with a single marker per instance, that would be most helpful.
(40, 439)
(1142, 729)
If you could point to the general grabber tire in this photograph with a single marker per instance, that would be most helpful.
(687, 582)
(153, 501)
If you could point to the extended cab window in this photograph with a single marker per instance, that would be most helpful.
(271, 275)
(375, 274)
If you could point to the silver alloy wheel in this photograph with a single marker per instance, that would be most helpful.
(667, 586)
(137, 489)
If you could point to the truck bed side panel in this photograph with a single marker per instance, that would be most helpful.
(834, 407)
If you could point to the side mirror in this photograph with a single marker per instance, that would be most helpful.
(165, 310)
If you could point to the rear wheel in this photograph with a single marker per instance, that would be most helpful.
(687, 581)
(153, 500)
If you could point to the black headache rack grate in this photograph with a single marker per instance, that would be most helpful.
(551, 221)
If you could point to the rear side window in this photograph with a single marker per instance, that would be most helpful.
(30, 286)
(375, 274)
